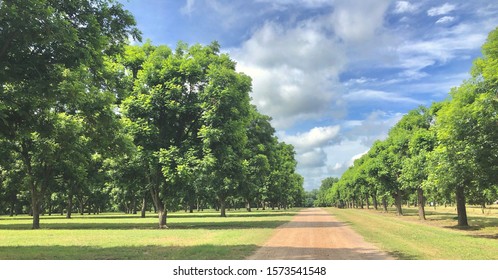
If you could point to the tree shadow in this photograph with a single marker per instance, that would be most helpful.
(233, 214)
(305, 224)
(75, 216)
(198, 252)
(297, 253)
(172, 225)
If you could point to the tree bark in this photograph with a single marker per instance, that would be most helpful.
(163, 213)
(248, 205)
(384, 204)
(82, 207)
(222, 207)
(421, 203)
(461, 210)
(160, 207)
(398, 201)
(144, 207)
(69, 206)
(35, 202)
(11, 212)
(134, 206)
(374, 200)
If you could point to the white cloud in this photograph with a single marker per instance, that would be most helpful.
(357, 21)
(294, 70)
(296, 66)
(416, 55)
(368, 95)
(445, 19)
(441, 10)
(315, 138)
(375, 126)
(312, 159)
(405, 7)
(304, 3)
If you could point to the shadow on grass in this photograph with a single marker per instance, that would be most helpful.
(402, 256)
(233, 214)
(209, 225)
(72, 225)
(153, 215)
(199, 252)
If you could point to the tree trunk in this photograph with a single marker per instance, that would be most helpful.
(134, 206)
(163, 213)
(82, 207)
(248, 205)
(35, 202)
(11, 212)
(222, 208)
(399, 201)
(69, 206)
(461, 210)
(50, 207)
(374, 200)
(483, 206)
(384, 204)
(368, 203)
(144, 207)
(421, 202)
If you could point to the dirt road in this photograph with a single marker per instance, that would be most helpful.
(314, 234)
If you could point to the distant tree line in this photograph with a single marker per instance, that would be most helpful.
(444, 154)
(89, 123)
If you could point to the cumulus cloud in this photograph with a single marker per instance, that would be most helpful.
(405, 7)
(328, 151)
(315, 138)
(445, 19)
(441, 10)
(296, 66)
(294, 70)
(356, 21)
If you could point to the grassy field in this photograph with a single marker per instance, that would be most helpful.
(202, 235)
(436, 238)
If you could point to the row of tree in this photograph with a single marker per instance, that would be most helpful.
(442, 154)
(90, 122)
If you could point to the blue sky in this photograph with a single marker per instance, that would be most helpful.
(334, 75)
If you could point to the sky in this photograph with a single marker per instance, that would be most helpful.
(334, 75)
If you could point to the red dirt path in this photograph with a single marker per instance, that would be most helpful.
(314, 234)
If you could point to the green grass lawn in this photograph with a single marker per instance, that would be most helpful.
(199, 235)
(437, 238)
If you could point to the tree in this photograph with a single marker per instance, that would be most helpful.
(40, 42)
(258, 149)
(323, 198)
(225, 106)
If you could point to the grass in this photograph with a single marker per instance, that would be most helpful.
(201, 236)
(437, 238)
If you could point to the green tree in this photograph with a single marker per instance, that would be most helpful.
(225, 106)
(323, 198)
(40, 42)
